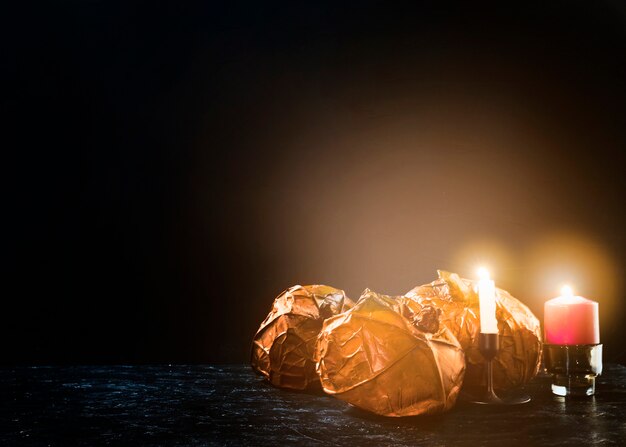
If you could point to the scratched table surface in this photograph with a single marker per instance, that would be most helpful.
(230, 405)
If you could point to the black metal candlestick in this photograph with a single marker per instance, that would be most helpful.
(489, 345)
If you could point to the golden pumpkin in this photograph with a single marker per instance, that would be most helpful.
(283, 347)
(390, 356)
(519, 357)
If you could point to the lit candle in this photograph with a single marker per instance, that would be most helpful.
(487, 298)
(571, 320)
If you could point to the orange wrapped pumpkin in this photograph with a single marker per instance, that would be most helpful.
(390, 356)
(283, 347)
(520, 334)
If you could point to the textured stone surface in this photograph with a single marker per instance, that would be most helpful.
(229, 405)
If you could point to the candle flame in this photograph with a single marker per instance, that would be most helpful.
(567, 291)
(483, 273)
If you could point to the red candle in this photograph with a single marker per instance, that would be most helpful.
(571, 320)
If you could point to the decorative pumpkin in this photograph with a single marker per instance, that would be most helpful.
(390, 356)
(520, 334)
(283, 347)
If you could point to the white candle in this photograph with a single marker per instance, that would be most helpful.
(487, 299)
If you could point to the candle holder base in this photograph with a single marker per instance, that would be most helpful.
(573, 368)
(489, 345)
(496, 400)
(574, 385)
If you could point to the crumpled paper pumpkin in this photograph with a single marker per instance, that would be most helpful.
(390, 356)
(519, 357)
(284, 345)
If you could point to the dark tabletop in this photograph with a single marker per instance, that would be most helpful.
(230, 405)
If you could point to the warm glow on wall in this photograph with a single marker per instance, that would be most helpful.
(562, 257)
(483, 251)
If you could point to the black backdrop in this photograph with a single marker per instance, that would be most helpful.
(170, 169)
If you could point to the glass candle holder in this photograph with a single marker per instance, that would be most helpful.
(574, 368)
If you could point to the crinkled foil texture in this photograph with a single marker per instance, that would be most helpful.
(284, 345)
(390, 356)
(520, 334)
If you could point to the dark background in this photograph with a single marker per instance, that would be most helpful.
(168, 170)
